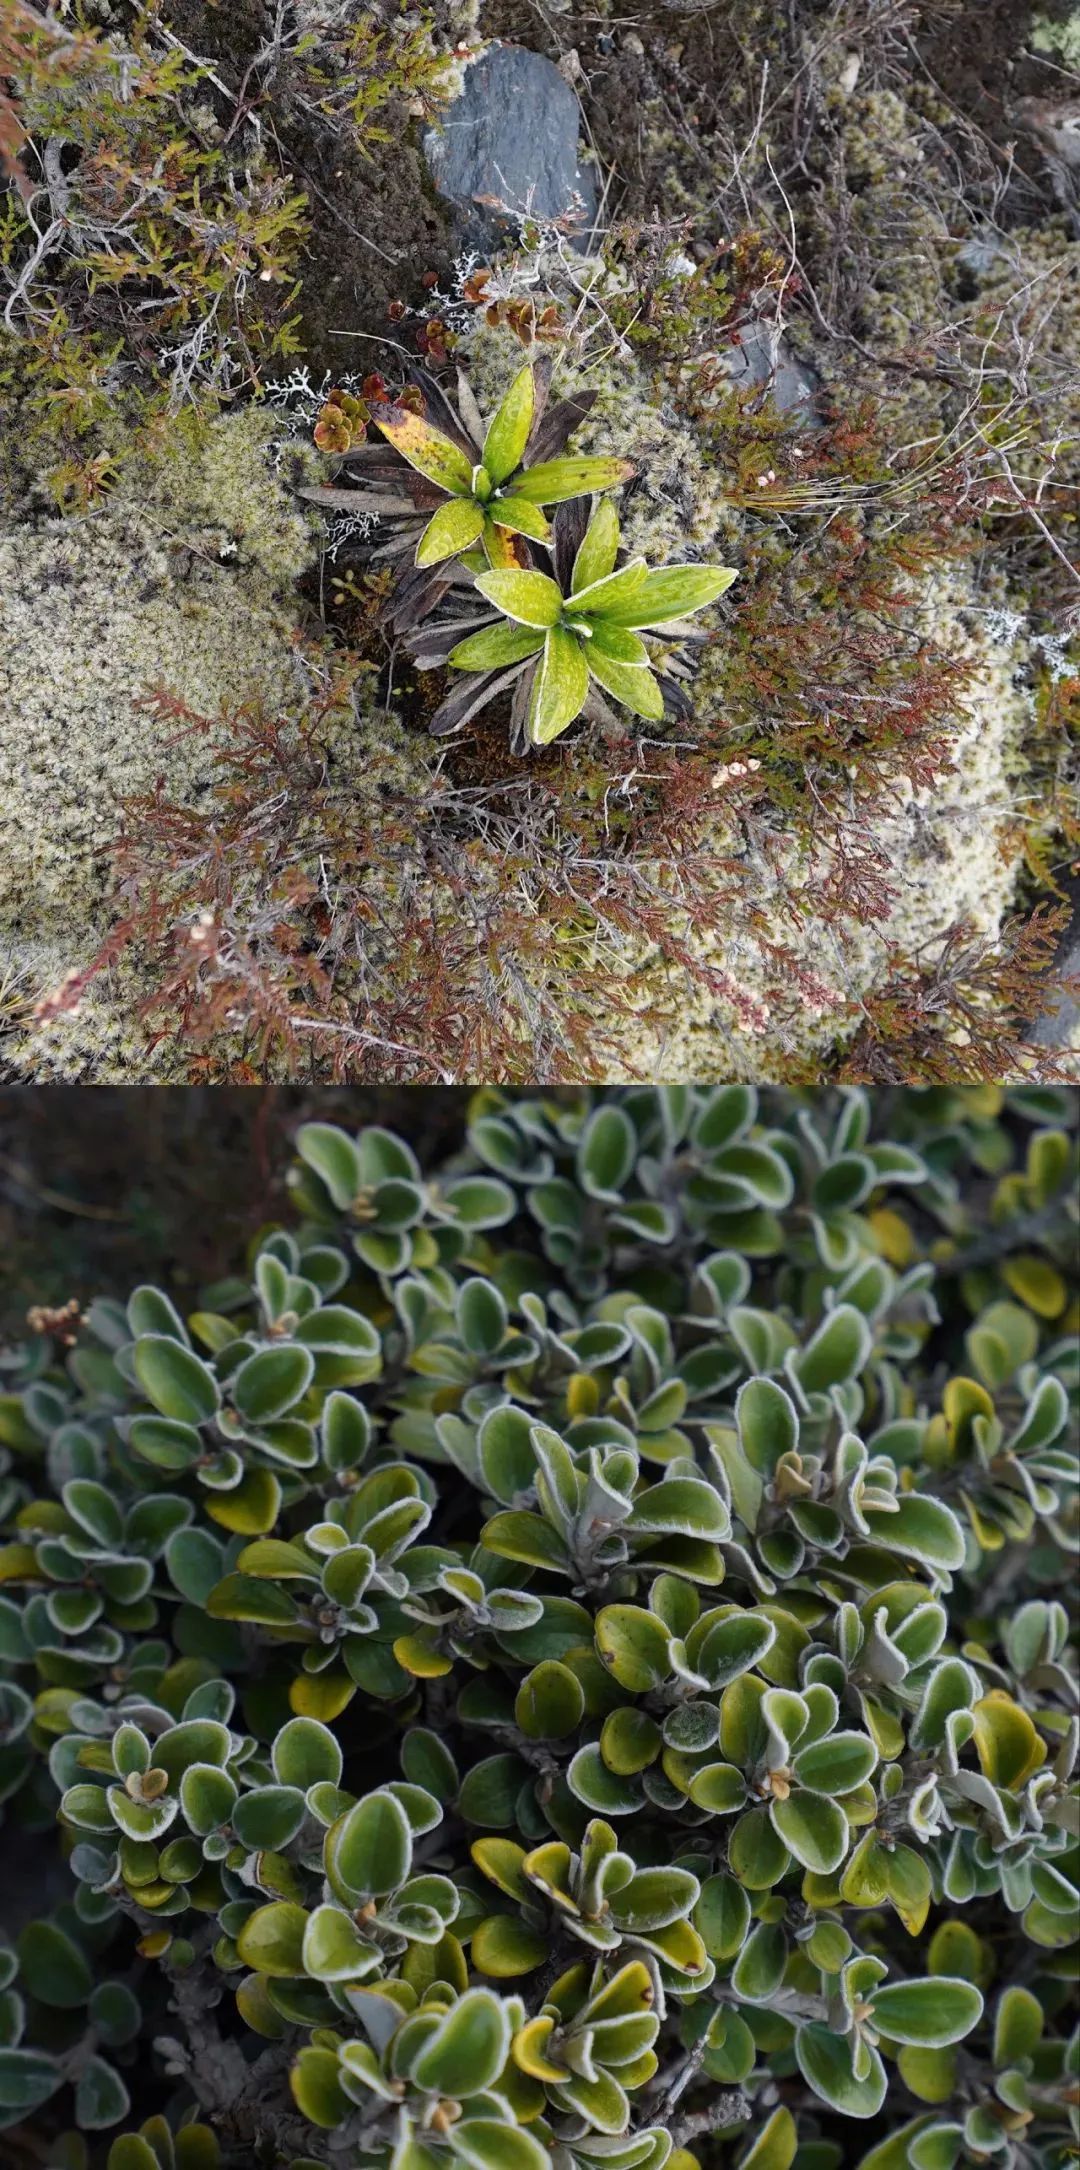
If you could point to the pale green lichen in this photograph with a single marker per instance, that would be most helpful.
(951, 854)
(1060, 39)
(179, 581)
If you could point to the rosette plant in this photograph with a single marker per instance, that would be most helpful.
(563, 1658)
(562, 640)
(454, 492)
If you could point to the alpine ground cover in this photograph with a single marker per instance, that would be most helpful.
(563, 1656)
(842, 850)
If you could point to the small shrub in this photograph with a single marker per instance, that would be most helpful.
(562, 1659)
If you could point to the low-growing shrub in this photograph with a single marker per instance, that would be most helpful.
(563, 1659)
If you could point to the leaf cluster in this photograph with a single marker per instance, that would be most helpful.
(563, 1655)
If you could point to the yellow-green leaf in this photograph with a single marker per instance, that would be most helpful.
(508, 431)
(553, 481)
(495, 647)
(560, 686)
(426, 449)
(1007, 1745)
(635, 688)
(672, 593)
(530, 598)
(454, 527)
(599, 548)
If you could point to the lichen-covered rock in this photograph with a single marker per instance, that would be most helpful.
(178, 581)
(951, 853)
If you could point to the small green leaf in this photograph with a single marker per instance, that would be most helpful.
(207, 1797)
(177, 1381)
(52, 1967)
(598, 549)
(722, 1917)
(508, 430)
(825, 2061)
(837, 1764)
(27, 2079)
(528, 1538)
(453, 528)
(1018, 2027)
(756, 1852)
(334, 1158)
(635, 1647)
(932, 2013)
(504, 1946)
(468, 2048)
(559, 687)
(607, 1151)
(368, 1851)
(768, 1424)
(530, 598)
(317, 2089)
(101, 2098)
(812, 1828)
(775, 2146)
(837, 1352)
(272, 1381)
(674, 592)
(271, 1940)
(551, 482)
(550, 1702)
(306, 1754)
(333, 1948)
(268, 1817)
(920, 1528)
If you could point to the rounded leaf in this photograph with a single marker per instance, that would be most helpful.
(932, 2013)
(305, 1754)
(272, 1381)
(836, 1764)
(812, 1828)
(825, 2061)
(177, 1381)
(367, 1852)
(467, 2050)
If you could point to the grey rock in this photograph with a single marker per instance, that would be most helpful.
(762, 358)
(508, 147)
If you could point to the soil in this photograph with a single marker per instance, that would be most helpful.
(977, 51)
(103, 1189)
(377, 226)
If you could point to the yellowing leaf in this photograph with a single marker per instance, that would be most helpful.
(321, 1695)
(1007, 1745)
(515, 516)
(426, 449)
(1037, 1283)
(892, 1236)
(421, 1658)
(251, 1508)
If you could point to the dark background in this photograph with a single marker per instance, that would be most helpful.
(104, 1187)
